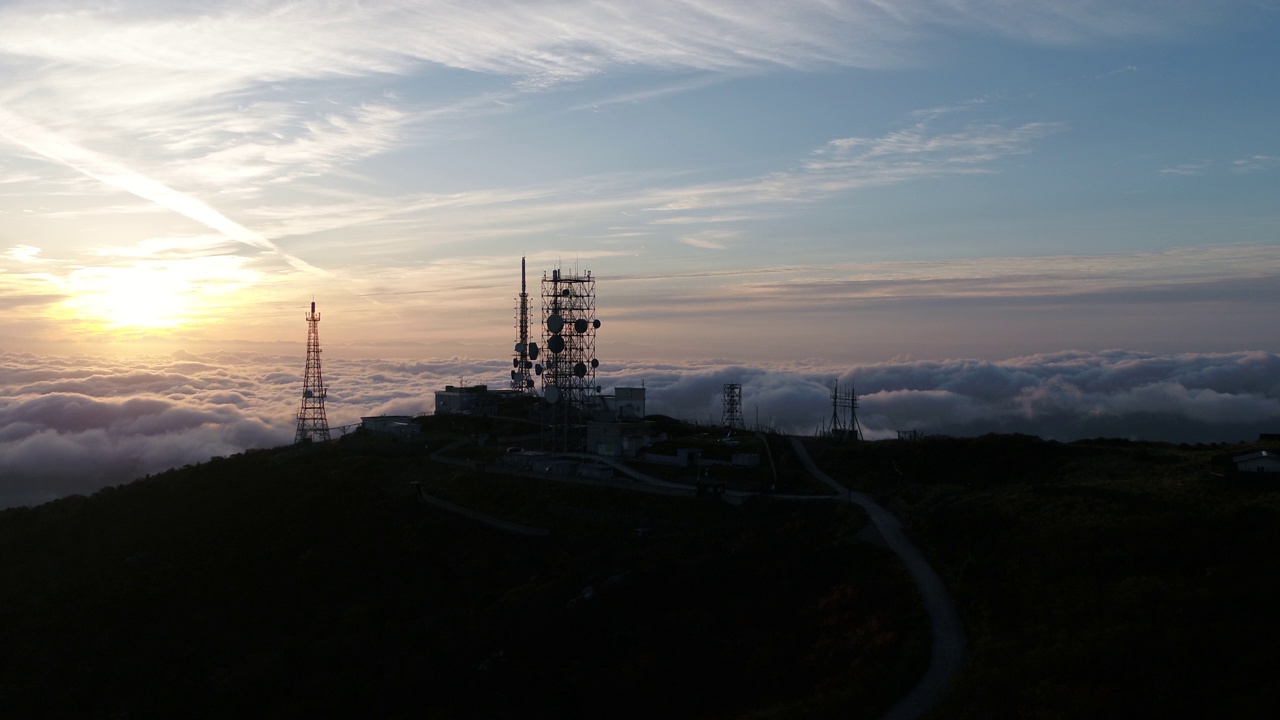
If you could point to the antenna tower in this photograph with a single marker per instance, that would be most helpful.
(844, 404)
(312, 424)
(526, 352)
(731, 417)
(568, 370)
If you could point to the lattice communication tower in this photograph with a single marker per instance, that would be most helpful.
(312, 424)
(526, 352)
(844, 413)
(731, 417)
(568, 369)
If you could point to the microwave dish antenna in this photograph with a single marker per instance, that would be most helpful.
(569, 325)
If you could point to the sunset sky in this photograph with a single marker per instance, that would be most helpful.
(857, 180)
(771, 185)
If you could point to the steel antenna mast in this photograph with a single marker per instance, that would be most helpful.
(313, 426)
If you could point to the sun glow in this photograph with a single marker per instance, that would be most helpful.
(153, 295)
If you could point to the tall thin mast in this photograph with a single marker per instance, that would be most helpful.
(524, 306)
(313, 426)
(525, 353)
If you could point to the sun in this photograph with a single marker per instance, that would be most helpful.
(158, 284)
(142, 297)
(155, 295)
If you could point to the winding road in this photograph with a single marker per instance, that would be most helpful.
(948, 651)
(949, 646)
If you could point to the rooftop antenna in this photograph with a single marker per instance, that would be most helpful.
(313, 426)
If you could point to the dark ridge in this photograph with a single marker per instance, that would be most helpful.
(1094, 578)
(310, 581)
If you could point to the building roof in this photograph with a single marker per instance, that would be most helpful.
(464, 389)
(1259, 455)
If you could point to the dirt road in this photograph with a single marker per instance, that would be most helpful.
(948, 652)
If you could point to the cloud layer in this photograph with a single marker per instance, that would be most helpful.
(74, 425)
(1224, 397)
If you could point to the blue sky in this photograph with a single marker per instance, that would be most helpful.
(757, 181)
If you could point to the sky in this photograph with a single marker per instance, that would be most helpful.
(782, 194)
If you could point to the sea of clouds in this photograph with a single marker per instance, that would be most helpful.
(76, 424)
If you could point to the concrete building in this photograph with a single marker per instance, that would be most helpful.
(399, 425)
(624, 405)
(629, 403)
(618, 428)
(477, 400)
(618, 439)
(1257, 462)
(465, 400)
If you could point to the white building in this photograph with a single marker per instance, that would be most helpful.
(630, 403)
(400, 425)
(618, 439)
(624, 405)
(619, 428)
(1257, 462)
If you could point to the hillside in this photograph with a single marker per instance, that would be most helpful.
(1099, 578)
(311, 581)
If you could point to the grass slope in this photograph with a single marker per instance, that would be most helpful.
(311, 582)
(1094, 579)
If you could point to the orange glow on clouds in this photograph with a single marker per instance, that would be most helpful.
(155, 295)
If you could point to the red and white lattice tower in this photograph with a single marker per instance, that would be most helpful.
(312, 424)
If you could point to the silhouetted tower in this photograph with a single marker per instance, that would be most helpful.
(845, 404)
(526, 352)
(731, 417)
(568, 367)
(312, 424)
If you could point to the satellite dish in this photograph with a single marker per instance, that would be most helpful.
(555, 323)
(307, 394)
(538, 368)
(596, 323)
(580, 325)
(580, 369)
(533, 351)
(595, 363)
(528, 382)
(552, 394)
(565, 292)
(555, 344)
(527, 364)
(520, 348)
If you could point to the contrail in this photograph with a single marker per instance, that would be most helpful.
(56, 148)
